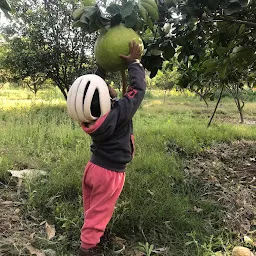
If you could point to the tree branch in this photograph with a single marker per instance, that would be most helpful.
(246, 22)
(213, 114)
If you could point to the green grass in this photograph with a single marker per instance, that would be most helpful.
(157, 202)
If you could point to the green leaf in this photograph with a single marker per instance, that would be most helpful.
(243, 3)
(6, 13)
(189, 243)
(93, 27)
(150, 23)
(77, 24)
(84, 19)
(213, 4)
(210, 65)
(89, 12)
(143, 12)
(131, 20)
(241, 29)
(78, 13)
(88, 2)
(232, 8)
(99, 23)
(139, 25)
(84, 26)
(113, 9)
(5, 5)
(221, 51)
(116, 20)
(127, 9)
(223, 70)
(104, 21)
(168, 50)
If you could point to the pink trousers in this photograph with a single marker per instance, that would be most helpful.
(101, 189)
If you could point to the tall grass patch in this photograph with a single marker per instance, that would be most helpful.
(157, 203)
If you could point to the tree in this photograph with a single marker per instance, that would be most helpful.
(5, 7)
(214, 41)
(43, 40)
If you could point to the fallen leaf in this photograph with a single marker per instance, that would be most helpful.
(35, 251)
(197, 210)
(7, 203)
(42, 223)
(160, 250)
(32, 235)
(248, 240)
(50, 230)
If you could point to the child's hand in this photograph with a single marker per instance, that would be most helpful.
(135, 53)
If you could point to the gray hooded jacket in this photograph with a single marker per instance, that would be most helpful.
(112, 134)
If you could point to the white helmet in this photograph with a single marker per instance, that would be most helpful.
(80, 97)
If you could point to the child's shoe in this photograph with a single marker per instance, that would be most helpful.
(90, 252)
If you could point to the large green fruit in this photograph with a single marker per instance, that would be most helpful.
(111, 44)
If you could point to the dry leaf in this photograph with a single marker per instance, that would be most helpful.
(35, 251)
(50, 230)
(248, 240)
(197, 210)
(32, 235)
(160, 250)
(7, 203)
(42, 223)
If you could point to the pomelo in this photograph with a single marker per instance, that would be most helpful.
(113, 42)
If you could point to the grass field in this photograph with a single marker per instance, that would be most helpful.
(158, 202)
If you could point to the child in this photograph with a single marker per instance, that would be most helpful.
(112, 148)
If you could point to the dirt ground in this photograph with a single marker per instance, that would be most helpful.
(229, 173)
(16, 232)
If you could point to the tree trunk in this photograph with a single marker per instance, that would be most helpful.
(165, 91)
(213, 114)
(240, 109)
(202, 97)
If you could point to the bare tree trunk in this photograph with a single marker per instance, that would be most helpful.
(165, 91)
(240, 109)
(234, 90)
(213, 114)
(202, 97)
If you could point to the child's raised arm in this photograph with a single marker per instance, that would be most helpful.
(131, 101)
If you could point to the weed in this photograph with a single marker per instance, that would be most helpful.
(146, 248)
